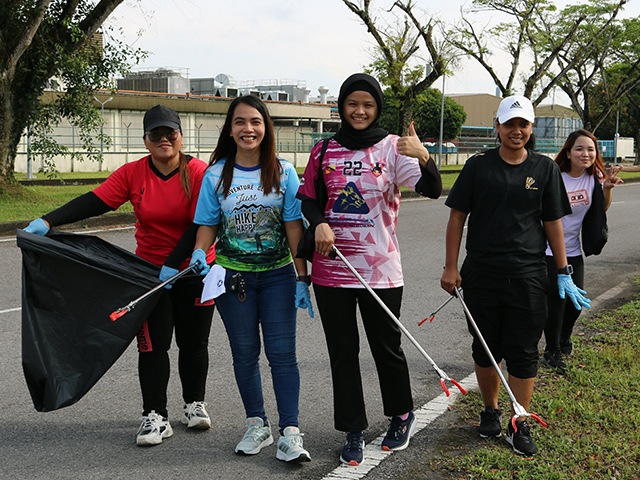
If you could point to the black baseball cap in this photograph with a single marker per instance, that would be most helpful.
(161, 116)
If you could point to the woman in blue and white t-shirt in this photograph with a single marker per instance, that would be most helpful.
(581, 164)
(248, 201)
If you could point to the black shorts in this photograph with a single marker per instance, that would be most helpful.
(511, 315)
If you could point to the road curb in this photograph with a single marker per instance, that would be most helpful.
(118, 219)
(108, 220)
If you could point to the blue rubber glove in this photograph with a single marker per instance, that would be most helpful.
(199, 258)
(166, 273)
(302, 297)
(577, 295)
(38, 227)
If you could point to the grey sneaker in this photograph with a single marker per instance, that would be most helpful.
(290, 447)
(257, 436)
(196, 416)
(153, 429)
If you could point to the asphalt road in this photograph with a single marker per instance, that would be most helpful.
(96, 437)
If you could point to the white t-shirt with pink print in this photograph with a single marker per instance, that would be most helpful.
(580, 192)
(363, 187)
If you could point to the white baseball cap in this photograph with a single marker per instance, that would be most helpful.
(516, 106)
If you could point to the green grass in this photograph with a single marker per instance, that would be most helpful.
(34, 201)
(593, 412)
(27, 203)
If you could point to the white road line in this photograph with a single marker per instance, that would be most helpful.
(374, 455)
(11, 310)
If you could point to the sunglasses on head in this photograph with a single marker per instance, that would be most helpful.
(157, 134)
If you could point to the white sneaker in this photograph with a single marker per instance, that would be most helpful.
(153, 429)
(290, 446)
(195, 416)
(257, 436)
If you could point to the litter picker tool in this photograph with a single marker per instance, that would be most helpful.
(441, 373)
(433, 314)
(518, 409)
(116, 314)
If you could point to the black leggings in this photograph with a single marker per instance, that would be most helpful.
(562, 313)
(178, 308)
(338, 312)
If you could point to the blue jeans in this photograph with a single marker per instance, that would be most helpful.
(269, 303)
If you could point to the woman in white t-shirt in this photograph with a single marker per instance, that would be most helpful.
(581, 164)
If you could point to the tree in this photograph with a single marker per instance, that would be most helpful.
(536, 36)
(43, 40)
(396, 45)
(426, 114)
(611, 71)
(625, 119)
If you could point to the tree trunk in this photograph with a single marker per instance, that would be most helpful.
(406, 113)
(8, 147)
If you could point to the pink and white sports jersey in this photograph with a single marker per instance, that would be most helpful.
(364, 196)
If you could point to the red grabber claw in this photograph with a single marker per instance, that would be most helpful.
(430, 319)
(117, 314)
(464, 392)
(433, 314)
(122, 310)
(536, 417)
(444, 387)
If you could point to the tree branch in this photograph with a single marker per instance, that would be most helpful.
(29, 32)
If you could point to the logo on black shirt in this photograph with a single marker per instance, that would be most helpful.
(528, 183)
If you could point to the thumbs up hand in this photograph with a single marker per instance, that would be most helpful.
(411, 146)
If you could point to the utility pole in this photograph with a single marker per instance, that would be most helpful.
(102, 104)
(441, 124)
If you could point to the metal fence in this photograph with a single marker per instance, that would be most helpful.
(126, 144)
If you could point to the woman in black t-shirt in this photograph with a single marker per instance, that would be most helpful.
(514, 199)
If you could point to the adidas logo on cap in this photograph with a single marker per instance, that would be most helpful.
(515, 106)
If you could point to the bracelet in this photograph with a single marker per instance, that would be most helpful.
(304, 278)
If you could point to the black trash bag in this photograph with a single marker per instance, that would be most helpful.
(70, 285)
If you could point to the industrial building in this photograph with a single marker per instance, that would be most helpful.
(300, 120)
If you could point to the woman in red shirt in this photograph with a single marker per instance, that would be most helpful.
(163, 188)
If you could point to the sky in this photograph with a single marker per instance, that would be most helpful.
(320, 42)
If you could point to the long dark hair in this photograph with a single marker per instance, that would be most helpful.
(227, 149)
(563, 160)
(185, 177)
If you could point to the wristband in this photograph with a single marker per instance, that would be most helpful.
(568, 270)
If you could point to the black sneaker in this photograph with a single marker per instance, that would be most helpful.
(555, 362)
(521, 440)
(490, 422)
(566, 346)
(352, 452)
(399, 433)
